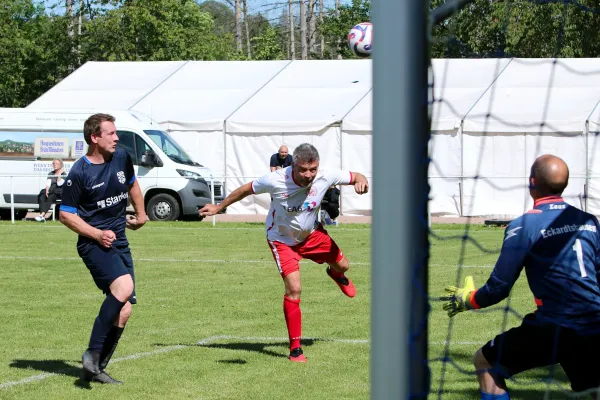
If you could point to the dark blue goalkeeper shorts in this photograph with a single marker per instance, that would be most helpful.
(106, 265)
(533, 345)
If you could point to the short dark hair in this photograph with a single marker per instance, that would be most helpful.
(92, 125)
(305, 153)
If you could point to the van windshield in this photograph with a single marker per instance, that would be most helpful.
(170, 147)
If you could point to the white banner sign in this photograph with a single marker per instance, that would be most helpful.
(51, 147)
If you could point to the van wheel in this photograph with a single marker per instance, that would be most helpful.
(163, 207)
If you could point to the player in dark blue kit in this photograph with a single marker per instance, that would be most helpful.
(93, 205)
(559, 247)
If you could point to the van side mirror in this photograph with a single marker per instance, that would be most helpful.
(150, 159)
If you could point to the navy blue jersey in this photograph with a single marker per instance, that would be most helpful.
(98, 193)
(559, 247)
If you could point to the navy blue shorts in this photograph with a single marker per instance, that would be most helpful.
(106, 265)
(533, 345)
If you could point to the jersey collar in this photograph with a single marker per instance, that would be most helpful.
(548, 199)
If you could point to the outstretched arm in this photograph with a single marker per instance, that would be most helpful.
(498, 286)
(235, 196)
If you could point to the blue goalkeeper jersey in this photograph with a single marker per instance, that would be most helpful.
(559, 247)
(98, 193)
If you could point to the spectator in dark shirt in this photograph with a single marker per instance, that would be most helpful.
(281, 159)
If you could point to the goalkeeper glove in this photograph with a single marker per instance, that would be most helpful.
(459, 299)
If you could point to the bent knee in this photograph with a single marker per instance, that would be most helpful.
(122, 287)
(480, 362)
(341, 266)
(125, 312)
(293, 291)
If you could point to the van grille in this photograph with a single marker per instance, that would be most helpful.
(218, 189)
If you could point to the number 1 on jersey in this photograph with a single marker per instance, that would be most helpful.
(579, 252)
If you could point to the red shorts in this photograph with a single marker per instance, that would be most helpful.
(318, 247)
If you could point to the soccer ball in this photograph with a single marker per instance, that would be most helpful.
(360, 39)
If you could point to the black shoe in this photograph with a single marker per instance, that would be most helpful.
(103, 377)
(345, 284)
(342, 280)
(90, 362)
(297, 355)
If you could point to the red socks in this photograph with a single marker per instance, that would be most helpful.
(293, 320)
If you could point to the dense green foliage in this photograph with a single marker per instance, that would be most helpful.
(40, 44)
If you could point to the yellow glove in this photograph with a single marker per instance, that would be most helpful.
(459, 299)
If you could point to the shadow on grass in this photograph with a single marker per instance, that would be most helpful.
(542, 374)
(520, 386)
(59, 367)
(258, 347)
(234, 361)
(515, 393)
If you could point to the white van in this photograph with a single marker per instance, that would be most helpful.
(174, 186)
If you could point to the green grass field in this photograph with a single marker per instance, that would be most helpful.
(209, 323)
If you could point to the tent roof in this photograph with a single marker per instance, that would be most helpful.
(306, 96)
(202, 94)
(458, 84)
(487, 95)
(116, 85)
(538, 95)
(360, 118)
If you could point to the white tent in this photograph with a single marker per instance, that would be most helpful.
(306, 102)
(115, 85)
(533, 108)
(356, 142)
(490, 119)
(458, 85)
(193, 104)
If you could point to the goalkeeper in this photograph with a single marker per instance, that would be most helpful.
(559, 247)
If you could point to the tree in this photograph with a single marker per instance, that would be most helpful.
(34, 49)
(268, 45)
(519, 29)
(222, 15)
(335, 28)
(152, 31)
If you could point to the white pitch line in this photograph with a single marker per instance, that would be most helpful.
(457, 343)
(167, 260)
(39, 377)
(206, 260)
(488, 266)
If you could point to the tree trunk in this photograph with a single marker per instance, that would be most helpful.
(312, 27)
(70, 31)
(247, 30)
(337, 14)
(303, 30)
(238, 26)
(292, 41)
(321, 24)
(79, 22)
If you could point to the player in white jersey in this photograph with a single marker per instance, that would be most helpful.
(293, 229)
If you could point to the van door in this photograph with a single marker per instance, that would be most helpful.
(136, 146)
